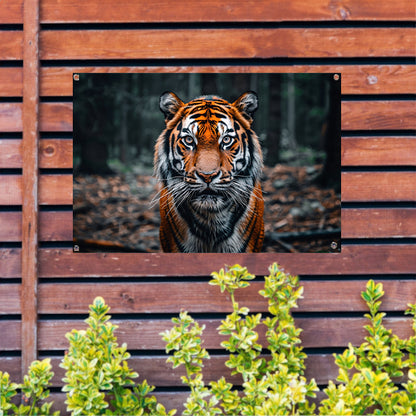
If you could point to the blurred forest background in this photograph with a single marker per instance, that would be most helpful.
(117, 121)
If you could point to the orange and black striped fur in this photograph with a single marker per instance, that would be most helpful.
(209, 162)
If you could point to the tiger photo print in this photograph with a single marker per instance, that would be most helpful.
(209, 162)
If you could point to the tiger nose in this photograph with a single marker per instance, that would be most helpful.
(208, 177)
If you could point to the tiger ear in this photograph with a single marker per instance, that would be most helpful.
(247, 104)
(169, 104)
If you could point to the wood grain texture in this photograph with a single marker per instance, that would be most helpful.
(199, 297)
(226, 43)
(143, 335)
(394, 259)
(378, 186)
(356, 223)
(53, 226)
(378, 115)
(11, 117)
(356, 186)
(218, 11)
(11, 45)
(158, 372)
(53, 190)
(11, 80)
(363, 259)
(356, 79)
(378, 223)
(384, 115)
(30, 182)
(378, 151)
(96, 11)
(53, 153)
(10, 299)
(13, 341)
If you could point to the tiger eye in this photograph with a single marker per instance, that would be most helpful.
(227, 140)
(188, 140)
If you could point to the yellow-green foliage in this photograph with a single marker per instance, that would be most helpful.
(98, 380)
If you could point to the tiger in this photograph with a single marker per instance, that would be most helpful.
(209, 162)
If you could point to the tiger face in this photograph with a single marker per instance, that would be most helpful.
(209, 162)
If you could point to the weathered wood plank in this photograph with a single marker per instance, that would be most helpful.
(30, 182)
(384, 259)
(378, 186)
(10, 299)
(53, 190)
(53, 226)
(11, 117)
(378, 151)
(356, 223)
(11, 45)
(199, 297)
(356, 186)
(145, 334)
(13, 340)
(70, 11)
(11, 11)
(216, 11)
(158, 372)
(229, 43)
(378, 223)
(363, 259)
(356, 151)
(356, 79)
(384, 115)
(53, 153)
(11, 79)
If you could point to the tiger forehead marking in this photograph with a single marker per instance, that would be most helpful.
(209, 162)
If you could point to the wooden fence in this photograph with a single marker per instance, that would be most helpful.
(45, 288)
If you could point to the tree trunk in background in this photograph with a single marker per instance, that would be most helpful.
(272, 140)
(331, 175)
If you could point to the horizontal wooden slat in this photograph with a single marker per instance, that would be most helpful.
(362, 259)
(356, 186)
(53, 153)
(69, 11)
(11, 342)
(202, 297)
(356, 79)
(53, 226)
(228, 43)
(378, 223)
(384, 115)
(10, 299)
(11, 45)
(53, 190)
(11, 11)
(158, 372)
(11, 117)
(378, 151)
(11, 80)
(378, 186)
(356, 223)
(217, 11)
(376, 115)
(145, 334)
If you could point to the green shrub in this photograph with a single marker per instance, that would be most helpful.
(98, 380)
(276, 386)
(34, 389)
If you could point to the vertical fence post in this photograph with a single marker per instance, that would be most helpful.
(30, 180)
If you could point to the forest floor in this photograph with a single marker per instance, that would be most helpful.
(120, 213)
